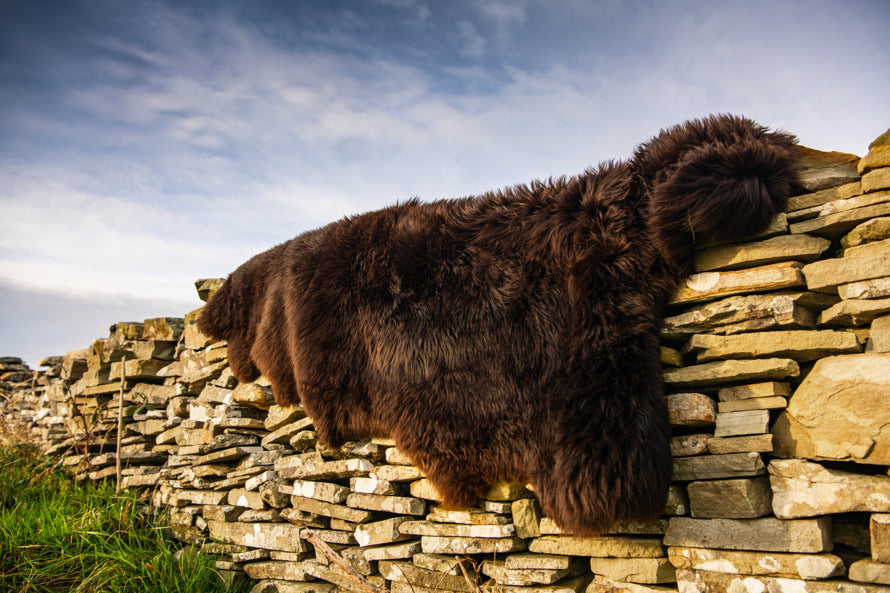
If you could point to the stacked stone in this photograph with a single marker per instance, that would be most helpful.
(777, 363)
(22, 402)
(94, 383)
(789, 364)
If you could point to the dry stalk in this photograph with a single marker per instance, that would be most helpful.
(120, 424)
(339, 561)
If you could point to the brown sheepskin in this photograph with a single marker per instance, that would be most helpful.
(513, 335)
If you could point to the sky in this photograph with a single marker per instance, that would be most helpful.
(148, 143)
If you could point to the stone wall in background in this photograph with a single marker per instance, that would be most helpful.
(777, 362)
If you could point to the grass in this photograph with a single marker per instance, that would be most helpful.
(58, 535)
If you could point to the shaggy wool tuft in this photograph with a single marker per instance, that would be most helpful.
(512, 335)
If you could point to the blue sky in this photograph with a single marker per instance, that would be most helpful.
(145, 144)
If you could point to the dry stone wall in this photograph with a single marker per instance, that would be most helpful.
(777, 362)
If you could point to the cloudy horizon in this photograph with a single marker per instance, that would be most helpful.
(149, 144)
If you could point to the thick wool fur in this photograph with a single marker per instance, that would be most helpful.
(513, 335)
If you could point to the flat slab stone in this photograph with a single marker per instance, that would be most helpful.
(863, 262)
(334, 511)
(381, 532)
(754, 403)
(878, 156)
(731, 371)
(324, 491)
(743, 498)
(274, 569)
(471, 545)
(400, 505)
(801, 248)
(801, 566)
(691, 581)
(456, 530)
(839, 206)
(603, 584)
(800, 345)
(753, 391)
(466, 516)
(635, 570)
(840, 192)
(854, 312)
(865, 289)
(599, 547)
(839, 223)
(869, 571)
(876, 229)
(839, 412)
(707, 286)
(757, 443)
(819, 169)
(523, 577)
(767, 534)
(742, 313)
(711, 467)
(876, 179)
(741, 423)
(687, 445)
(311, 466)
(806, 489)
(406, 572)
(268, 536)
(539, 561)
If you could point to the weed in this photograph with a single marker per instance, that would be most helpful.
(58, 535)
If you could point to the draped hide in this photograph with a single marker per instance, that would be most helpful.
(511, 335)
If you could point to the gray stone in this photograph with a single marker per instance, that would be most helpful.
(711, 467)
(746, 422)
(381, 532)
(400, 505)
(599, 547)
(428, 528)
(743, 498)
(277, 536)
(767, 534)
(471, 545)
(801, 566)
(635, 570)
(690, 581)
(687, 445)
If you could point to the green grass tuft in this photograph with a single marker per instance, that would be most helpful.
(58, 535)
